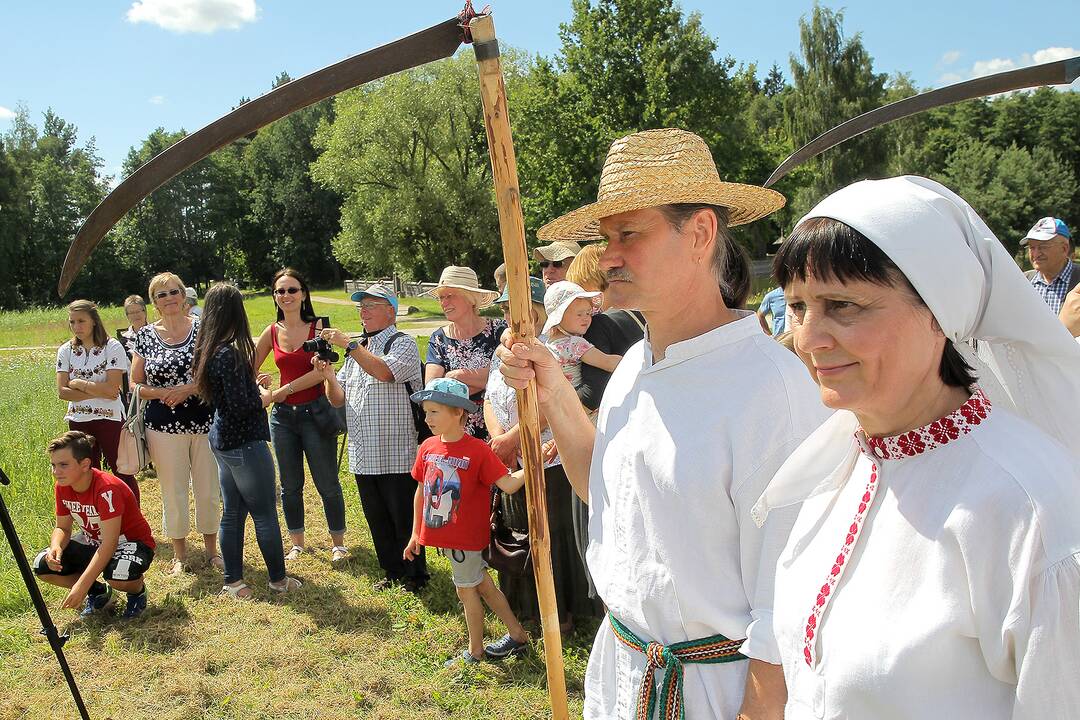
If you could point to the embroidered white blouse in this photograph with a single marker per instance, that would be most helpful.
(684, 447)
(936, 574)
(93, 365)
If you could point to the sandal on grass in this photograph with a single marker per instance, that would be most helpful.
(178, 568)
(289, 583)
(240, 591)
(294, 553)
(338, 553)
(216, 561)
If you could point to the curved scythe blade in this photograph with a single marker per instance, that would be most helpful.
(1060, 72)
(437, 42)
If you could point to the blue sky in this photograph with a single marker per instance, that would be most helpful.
(117, 69)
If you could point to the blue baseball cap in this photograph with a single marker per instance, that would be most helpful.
(536, 292)
(1047, 229)
(376, 291)
(446, 391)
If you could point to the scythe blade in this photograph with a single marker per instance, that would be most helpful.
(1060, 72)
(437, 42)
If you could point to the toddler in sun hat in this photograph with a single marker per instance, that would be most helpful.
(570, 309)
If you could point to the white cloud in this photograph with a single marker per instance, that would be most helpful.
(950, 57)
(6, 114)
(202, 16)
(157, 100)
(1051, 54)
(996, 65)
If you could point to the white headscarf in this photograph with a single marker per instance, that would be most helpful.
(1026, 361)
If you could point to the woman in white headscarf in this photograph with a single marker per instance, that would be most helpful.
(933, 569)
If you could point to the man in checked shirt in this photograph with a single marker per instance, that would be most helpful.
(1049, 246)
(378, 371)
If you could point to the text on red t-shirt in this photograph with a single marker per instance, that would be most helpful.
(457, 479)
(107, 497)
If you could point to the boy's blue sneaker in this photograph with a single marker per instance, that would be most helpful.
(465, 658)
(505, 647)
(135, 605)
(98, 603)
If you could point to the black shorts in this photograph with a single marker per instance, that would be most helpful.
(129, 562)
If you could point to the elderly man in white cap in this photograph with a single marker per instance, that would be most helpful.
(380, 372)
(555, 259)
(690, 431)
(1049, 247)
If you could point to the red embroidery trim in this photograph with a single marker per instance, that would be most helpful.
(914, 442)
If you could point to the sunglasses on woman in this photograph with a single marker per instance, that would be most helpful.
(166, 293)
(557, 264)
(290, 290)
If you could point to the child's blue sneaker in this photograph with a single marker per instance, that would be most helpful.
(505, 647)
(465, 658)
(135, 605)
(99, 602)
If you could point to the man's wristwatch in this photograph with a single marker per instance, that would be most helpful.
(351, 346)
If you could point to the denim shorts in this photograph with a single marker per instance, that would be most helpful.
(468, 566)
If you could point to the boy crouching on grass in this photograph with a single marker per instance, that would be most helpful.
(456, 473)
(114, 538)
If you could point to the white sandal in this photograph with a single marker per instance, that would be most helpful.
(294, 553)
(289, 583)
(338, 553)
(236, 591)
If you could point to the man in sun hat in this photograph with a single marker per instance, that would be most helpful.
(690, 430)
(554, 259)
(1049, 247)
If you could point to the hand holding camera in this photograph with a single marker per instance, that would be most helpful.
(322, 349)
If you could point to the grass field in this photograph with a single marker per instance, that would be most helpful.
(334, 649)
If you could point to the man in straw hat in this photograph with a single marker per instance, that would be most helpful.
(554, 260)
(690, 431)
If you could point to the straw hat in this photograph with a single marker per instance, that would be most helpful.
(464, 278)
(558, 298)
(661, 167)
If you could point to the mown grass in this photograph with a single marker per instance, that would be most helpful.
(334, 649)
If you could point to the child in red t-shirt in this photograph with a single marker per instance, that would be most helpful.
(114, 540)
(456, 473)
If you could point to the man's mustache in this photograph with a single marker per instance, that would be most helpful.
(617, 274)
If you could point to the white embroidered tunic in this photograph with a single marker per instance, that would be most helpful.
(684, 447)
(936, 574)
(93, 365)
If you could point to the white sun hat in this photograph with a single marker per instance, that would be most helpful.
(559, 296)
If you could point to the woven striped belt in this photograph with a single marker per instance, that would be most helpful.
(671, 658)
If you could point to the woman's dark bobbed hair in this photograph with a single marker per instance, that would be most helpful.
(832, 250)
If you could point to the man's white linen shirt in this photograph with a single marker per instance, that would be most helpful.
(382, 435)
(684, 448)
(961, 599)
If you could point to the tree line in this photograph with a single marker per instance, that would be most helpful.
(393, 177)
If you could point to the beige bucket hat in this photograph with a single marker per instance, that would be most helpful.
(661, 167)
(464, 278)
(558, 250)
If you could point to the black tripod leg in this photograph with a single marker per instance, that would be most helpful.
(48, 629)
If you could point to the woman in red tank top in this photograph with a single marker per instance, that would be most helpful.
(293, 430)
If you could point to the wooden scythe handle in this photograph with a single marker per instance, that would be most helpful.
(512, 230)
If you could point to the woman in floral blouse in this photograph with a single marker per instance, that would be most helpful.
(89, 371)
(462, 350)
(177, 422)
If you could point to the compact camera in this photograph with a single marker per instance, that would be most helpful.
(322, 348)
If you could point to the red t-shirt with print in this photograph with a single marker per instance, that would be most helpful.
(107, 497)
(457, 479)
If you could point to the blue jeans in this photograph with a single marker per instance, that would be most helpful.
(295, 435)
(247, 487)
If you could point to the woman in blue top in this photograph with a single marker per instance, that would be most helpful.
(224, 379)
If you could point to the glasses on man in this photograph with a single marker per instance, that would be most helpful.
(557, 264)
(166, 293)
(289, 290)
(372, 305)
